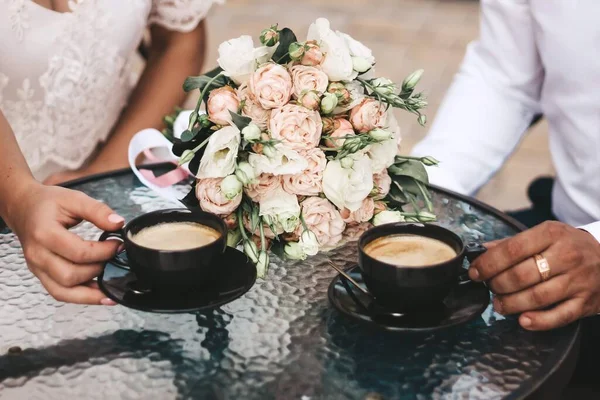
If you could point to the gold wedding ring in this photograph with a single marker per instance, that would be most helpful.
(542, 266)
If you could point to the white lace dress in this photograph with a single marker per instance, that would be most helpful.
(65, 77)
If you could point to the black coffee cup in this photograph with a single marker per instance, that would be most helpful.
(171, 268)
(405, 289)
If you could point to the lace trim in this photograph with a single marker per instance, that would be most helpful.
(180, 15)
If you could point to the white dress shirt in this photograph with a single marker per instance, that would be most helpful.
(533, 56)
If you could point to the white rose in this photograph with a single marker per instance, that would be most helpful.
(309, 243)
(239, 59)
(181, 123)
(387, 217)
(359, 52)
(338, 61)
(293, 251)
(282, 161)
(221, 153)
(382, 154)
(348, 187)
(281, 209)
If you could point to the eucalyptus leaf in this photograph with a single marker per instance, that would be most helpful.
(239, 120)
(188, 135)
(412, 168)
(286, 37)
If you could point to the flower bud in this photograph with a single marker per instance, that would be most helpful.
(186, 157)
(309, 243)
(347, 162)
(380, 134)
(251, 250)
(422, 119)
(310, 99)
(269, 37)
(231, 221)
(296, 51)
(329, 103)
(262, 265)
(328, 125)
(313, 55)
(361, 64)
(353, 144)
(384, 86)
(234, 236)
(293, 251)
(204, 121)
(231, 187)
(429, 161)
(343, 94)
(269, 151)
(251, 132)
(245, 173)
(387, 217)
(411, 81)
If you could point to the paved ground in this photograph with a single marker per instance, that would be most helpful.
(404, 35)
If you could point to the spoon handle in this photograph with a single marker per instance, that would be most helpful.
(345, 275)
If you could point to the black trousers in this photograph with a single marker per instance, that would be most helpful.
(587, 371)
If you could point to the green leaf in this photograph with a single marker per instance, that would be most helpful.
(286, 37)
(407, 184)
(239, 120)
(397, 195)
(214, 72)
(278, 248)
(199, 82)
(412, 168)
(188, 135)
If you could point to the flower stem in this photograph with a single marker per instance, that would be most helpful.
(199, 103)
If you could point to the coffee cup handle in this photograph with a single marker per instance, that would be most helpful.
(472, 251)
(117, 260)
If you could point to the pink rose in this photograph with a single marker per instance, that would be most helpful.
(269, 234)
(379, 207)
(324, 220)
(296, 126)
(363, 214)
(382, 183)
(271, 84)
(212, 200)
(341, 128)
(252, 108)
(313, 55)
(308, 182)
(310, 99)
(307, 79)
(266, 184)
(354, 232)
(368, 115)
(220, 102)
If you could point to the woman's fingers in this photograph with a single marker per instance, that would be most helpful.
(73, 248)
(82, 294)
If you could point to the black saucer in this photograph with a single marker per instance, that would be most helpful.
(466, 302)
(237, 275)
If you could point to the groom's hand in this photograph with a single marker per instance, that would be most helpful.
(572, 289)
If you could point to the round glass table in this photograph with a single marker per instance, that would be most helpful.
(281, 340)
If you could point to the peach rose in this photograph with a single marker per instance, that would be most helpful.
(307, 79)
(313, 55)
(379, 207)
(341, 128)
(368, 115)
(252, 108)
(297, 127)
(212, 200)
(354, 232)
(363, 214)
(269, 234)
(308, 182)
(324, 220)
(220, 102)
(266, 184)
(382, 183)
(271, 84)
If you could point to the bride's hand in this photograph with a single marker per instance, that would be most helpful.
(64, 263)
(66, 176)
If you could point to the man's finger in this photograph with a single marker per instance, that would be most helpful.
(73, 248)
(510, 252)
(94, 211)
(535, 298)
(67, 274)
(79, 294)
(561, 315)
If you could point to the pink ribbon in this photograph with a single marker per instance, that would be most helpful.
(165, 180)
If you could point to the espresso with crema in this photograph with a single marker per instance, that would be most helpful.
(409, 250)
(175, 236)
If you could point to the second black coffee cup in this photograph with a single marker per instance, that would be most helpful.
(409, 288)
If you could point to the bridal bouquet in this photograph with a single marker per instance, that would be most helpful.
(298, 149)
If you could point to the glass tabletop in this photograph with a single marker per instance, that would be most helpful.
(282, 340)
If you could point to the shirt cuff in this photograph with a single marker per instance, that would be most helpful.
(593, 229)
